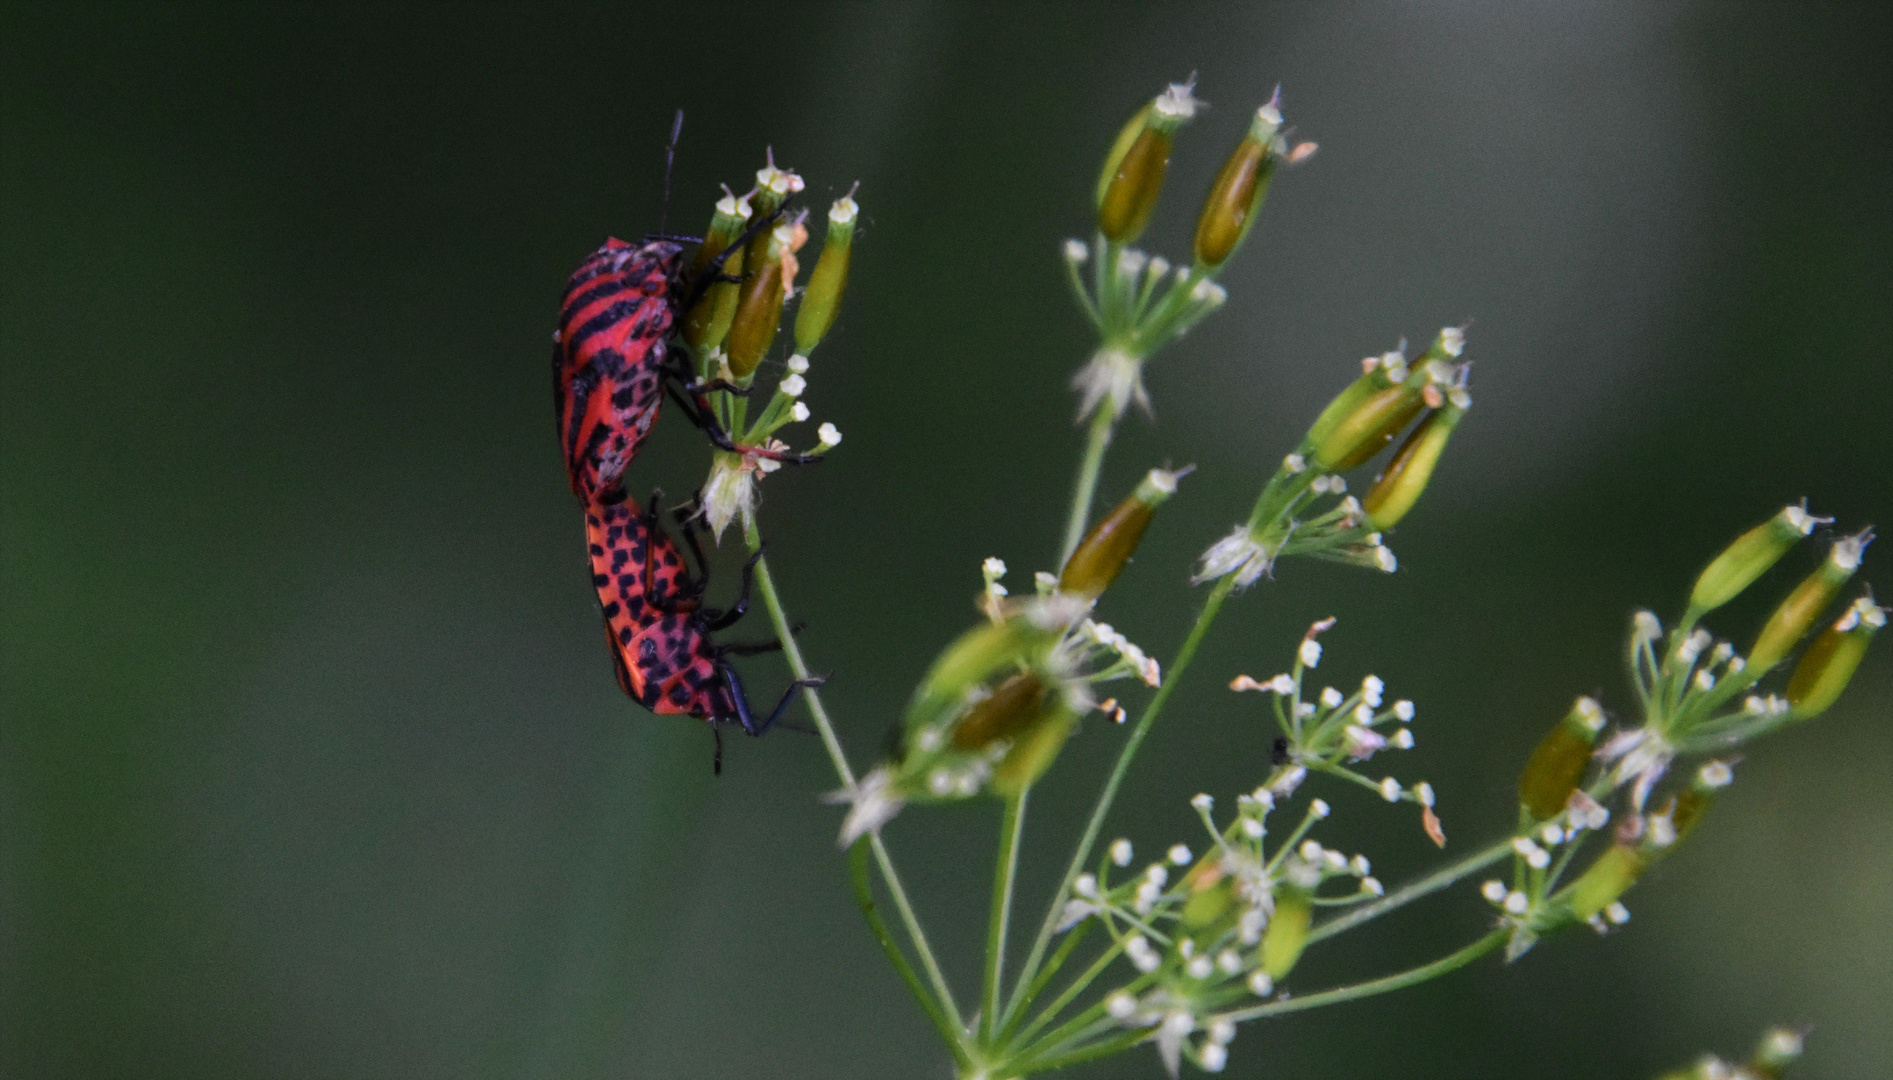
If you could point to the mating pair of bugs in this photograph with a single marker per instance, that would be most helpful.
(612, 367)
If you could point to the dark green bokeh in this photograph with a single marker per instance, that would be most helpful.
(312, 760)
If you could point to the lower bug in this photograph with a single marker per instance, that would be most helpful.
(659, 629)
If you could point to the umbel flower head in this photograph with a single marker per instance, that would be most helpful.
(732, 330)
(1140, 302)
(998, 704)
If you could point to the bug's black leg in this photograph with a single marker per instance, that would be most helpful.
(685, 525)
(721, 620)
(748, 648)
(716, 762)
(740, 703)
(698, 413)
(713, 269)
(687, 591)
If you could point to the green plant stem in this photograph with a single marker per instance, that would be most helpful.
(1098, 439)
(1399, 981)
(1089, 1053)
(1011, 1032)
(1010, 827)
(766, 588)
(1071, 992)
(1406, 894)
(864, 896)
(1093, 827)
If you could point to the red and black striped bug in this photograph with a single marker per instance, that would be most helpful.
(660, 630)
(612, 358)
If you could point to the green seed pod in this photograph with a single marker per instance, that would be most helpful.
(1368, 429)
(1694, 801)
(1750, 557)
(1399, 486)
(773, 188)
(759, 307)
(1829, 663)
(1229, 211)
(1098, 558)
(702, 330)
(1607, 879)
(1555, 767)
(822, 299)
(1211, 908)
(978, 656)
(1287, 931)
(1802, 609)
(1134, 171)
(1013, 705)
(1033, 752)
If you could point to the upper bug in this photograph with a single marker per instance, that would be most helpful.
(658, 627)
(611, 357)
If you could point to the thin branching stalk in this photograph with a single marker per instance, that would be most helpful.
(1400, 981)
(766, 588)
(1095, 825)
(864, 896)
(1010, 827)
(1097, 440)
(1407, 894)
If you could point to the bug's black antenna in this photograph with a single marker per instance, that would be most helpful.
(670, 159)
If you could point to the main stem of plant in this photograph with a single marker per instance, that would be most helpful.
(766, 587)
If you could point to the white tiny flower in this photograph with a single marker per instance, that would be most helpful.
(1493, 890)
(1076, 911)
(1424, 792)
(1282, 684)
(1311, 850)
(1517, 903)
(1362, 743)
(1716, 774)
(1334, 860)
(1076, 251)
(1290, 780)
(940, 782)
(1403, 739)
(1310, 653)
(793, 385)
(1403, 711)
(1319, 808)
(1784, 1043)
(1295, 463)
(1452, 340)
(1238, 554)
(994, 567)
(1385, 559)
(1390, 789)
(1142, 956)
(1202, 802)
(1120, 1005)
(1260, 984)
(1213, 1057)
(1121, 852)
(1249, 927)
(1646, 627)
(1222, 1031)
(1848, 549)
(1201, 967)
(1130, 262)
(1662, 830)
(798, 364)
(872, 805)
(1553, 834)
(1086, 886)
(1371, 689)
(829, 434)
(1252, 828)
(1157, 874)
(1617, 913)
(1179, 854)
(799, 413)
(1330, 697)
(1230, 961)
(1372, 886)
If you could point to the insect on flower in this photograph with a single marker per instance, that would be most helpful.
(659, 629)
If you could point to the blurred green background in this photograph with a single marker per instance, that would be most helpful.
(312, 763)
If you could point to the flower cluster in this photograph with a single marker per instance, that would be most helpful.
(1213, 932)
(1140, 302)
(1305, 510)
(1698, 696)
(1331, 732)
(734, 325)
